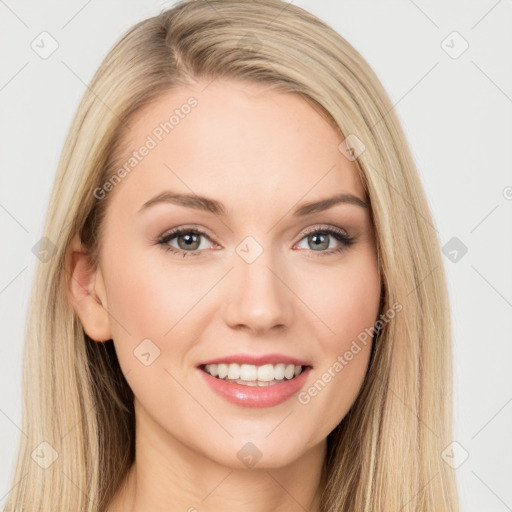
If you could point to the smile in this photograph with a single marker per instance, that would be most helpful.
(252, 375)
(255, 386)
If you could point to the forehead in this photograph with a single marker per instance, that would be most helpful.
(239, 142)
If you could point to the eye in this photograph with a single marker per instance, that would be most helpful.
(319, 239)
(187, 239)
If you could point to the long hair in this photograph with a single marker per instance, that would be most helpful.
(77, 413)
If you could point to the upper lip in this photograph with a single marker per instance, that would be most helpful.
(257, 360)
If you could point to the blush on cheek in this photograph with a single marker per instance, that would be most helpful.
(348, 310)
(150, 304)
(140, 295)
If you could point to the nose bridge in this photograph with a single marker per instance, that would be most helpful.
(257, 297)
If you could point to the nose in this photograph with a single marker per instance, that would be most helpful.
(258, 298)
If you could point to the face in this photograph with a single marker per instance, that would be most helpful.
(252, 271)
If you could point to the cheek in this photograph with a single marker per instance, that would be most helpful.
(348, 306)
(346, 300)
(151, 301)
(149, 294)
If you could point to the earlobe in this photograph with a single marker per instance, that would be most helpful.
(87, 294)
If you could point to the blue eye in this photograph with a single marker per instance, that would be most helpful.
(319, 238)
(189, 241)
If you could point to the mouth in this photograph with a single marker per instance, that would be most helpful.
(253, 375)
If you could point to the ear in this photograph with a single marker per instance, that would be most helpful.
(86, 291)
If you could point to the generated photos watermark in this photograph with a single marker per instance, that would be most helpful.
(156, 136)
(304, 397)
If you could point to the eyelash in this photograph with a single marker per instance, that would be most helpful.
(345, 240)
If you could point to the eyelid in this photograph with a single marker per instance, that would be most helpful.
(204, 231)
(189, 227)
(320, 227)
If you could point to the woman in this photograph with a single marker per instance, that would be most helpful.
(247, 306)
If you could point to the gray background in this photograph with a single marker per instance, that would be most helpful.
(455, 109)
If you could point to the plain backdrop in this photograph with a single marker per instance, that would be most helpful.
(447, 69)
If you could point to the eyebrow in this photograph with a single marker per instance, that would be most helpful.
(217, 208)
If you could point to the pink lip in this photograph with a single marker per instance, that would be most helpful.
(257, 360)
(255, 396)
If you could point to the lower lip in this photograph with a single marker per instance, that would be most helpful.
(256, 396)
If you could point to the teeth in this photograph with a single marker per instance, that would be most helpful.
(254, 374)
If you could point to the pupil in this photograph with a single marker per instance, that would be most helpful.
(322, 245)
(189, 240)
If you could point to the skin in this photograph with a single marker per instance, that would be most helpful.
(261, 153)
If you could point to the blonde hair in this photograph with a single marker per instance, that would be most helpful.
(386, 453)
